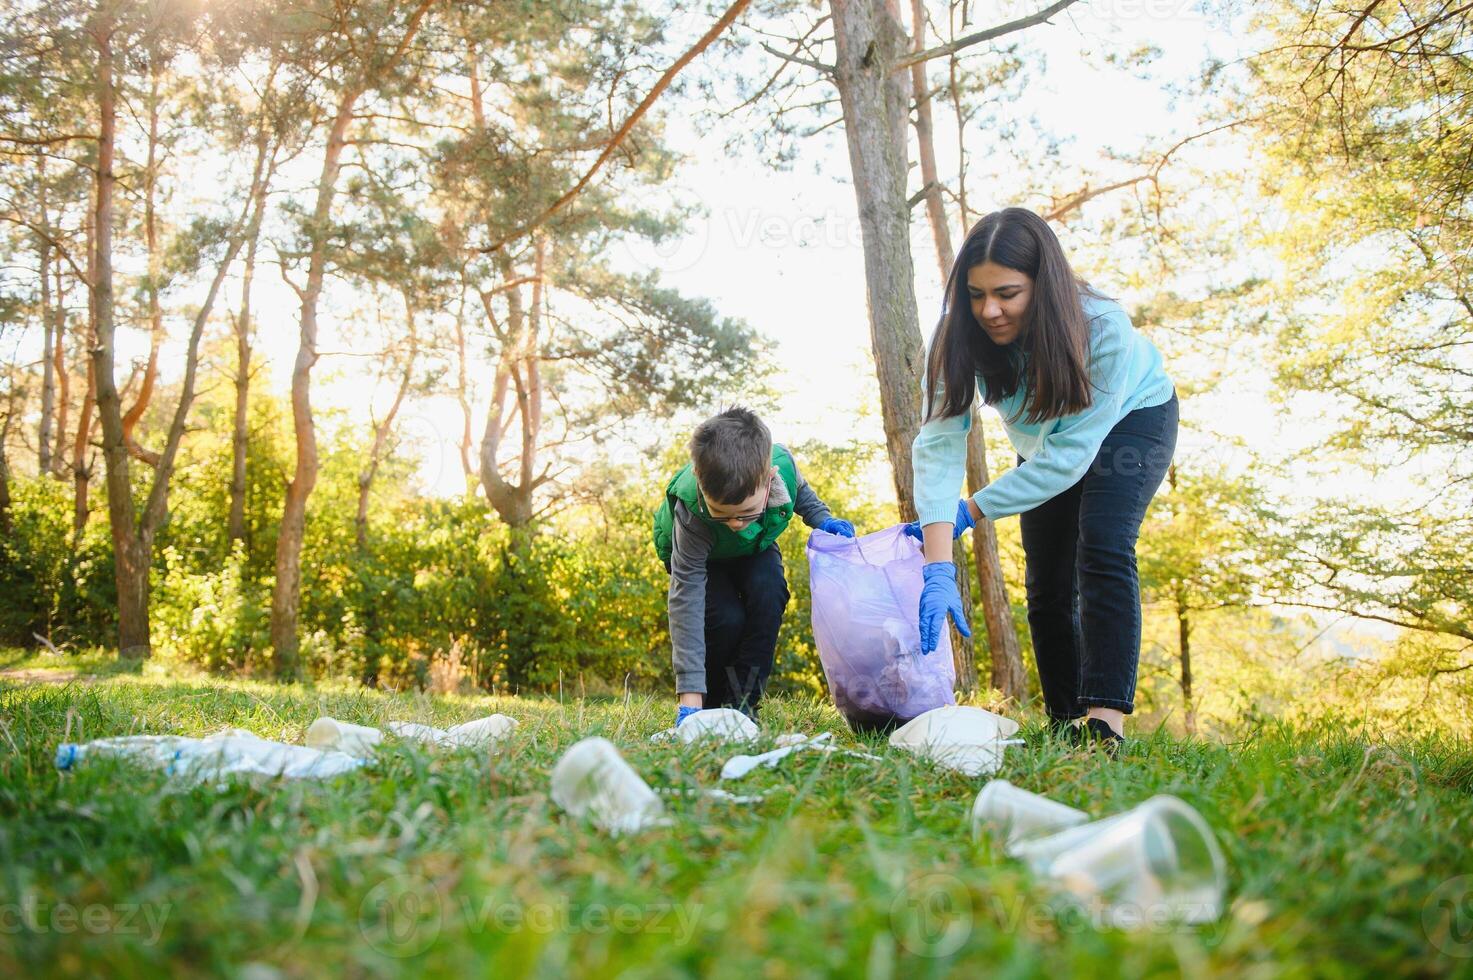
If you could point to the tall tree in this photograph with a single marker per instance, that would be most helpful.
(370, 43)
(872, 56)
(1007, 674)
(877, 73)
(46, 140)
(1365, 122)
(133, 530)
(546, 291)
(1199, 556)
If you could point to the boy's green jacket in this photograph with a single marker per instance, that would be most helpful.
(750, 540)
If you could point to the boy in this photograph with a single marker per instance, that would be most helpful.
(717, 532)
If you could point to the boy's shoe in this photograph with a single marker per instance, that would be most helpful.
(1097, 733)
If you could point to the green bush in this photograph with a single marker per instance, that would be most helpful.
(50, 588)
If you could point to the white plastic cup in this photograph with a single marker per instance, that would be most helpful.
(481, 731)
(415, 732)
(1156, 861)
(329, 734)
(1017, 815)
(592, 780)
(727, 723)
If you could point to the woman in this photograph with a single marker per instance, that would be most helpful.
(1090, 410)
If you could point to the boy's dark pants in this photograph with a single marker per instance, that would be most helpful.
(745, 599)
(1084, 599)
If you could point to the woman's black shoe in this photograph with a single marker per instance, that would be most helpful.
(1097, 732)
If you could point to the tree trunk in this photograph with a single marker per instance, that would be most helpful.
(48, 375)
(1184, 641)
(63, 379)
(964, 649)
(240, 430)
(4, 478)
(1007, 673)
(287, 592)
(128, 557)
(926, 145)
(875, 100)
(519, 368)
(286, 595)
(133, 535)
(462, 395)
(382, 430)
(81, 465)
(155, 273)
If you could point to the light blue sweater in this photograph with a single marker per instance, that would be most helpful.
(1125, 372)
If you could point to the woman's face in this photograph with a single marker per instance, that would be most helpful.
(1000, 298)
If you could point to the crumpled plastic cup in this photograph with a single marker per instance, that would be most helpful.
(1017, 815)
(1157, 861)
(330, 734)
(492, 728)
(967, 739)
(718, 723)
(592, 781)
(466, 735)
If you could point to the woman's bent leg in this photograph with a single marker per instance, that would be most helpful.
(1050, 533)
(1117, 489)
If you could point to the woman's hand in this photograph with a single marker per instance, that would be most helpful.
(965, 521)
(939, 598)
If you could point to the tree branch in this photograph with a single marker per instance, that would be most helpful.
(805, 62)
(711, 35)
(1012, 26)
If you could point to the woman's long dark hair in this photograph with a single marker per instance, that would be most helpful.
(1053, 333)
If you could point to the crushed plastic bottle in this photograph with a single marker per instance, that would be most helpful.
(593, 781)
(231, 752)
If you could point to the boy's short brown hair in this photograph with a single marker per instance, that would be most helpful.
(731, 453)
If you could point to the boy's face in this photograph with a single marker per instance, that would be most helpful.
(738, 516)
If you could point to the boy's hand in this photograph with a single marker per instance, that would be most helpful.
(684, 712)
(939, 597)
(835, 525)
(964, 522)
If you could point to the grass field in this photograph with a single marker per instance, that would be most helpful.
(1346, 858)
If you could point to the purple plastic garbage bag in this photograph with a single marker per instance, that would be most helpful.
(866, 610)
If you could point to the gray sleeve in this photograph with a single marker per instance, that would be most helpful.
(687, 601)
(807, 506)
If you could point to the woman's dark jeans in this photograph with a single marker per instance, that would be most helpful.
(1084, 598)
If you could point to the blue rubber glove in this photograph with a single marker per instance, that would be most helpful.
(960, 526)
(939, 597)
(684, 712)
(835, 525)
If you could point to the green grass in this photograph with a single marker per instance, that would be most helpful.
(457, 864)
